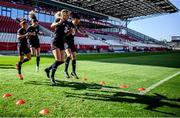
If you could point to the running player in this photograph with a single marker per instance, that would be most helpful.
(61, 27)
(34, 41)
(32, 15)
(23, 46)
(71, 49)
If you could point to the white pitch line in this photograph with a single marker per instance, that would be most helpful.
(159, 83)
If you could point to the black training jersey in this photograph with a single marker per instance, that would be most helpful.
(22, 41)
(61, 29)
(74, 28)
(33, 29)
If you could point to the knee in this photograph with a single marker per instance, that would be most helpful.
(69, 55)
(73, 57)
(38, 54)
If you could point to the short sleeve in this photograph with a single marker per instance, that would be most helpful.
(20, 31)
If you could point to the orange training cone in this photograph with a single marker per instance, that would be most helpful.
(123, 86)
(102, 83)
(44, 111)
(20, 102)
(7, 95)
(141, 89)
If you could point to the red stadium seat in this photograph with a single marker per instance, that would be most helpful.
(8, 46)
(8, 25)
(17, 6)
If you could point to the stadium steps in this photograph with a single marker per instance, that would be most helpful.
(8, 25)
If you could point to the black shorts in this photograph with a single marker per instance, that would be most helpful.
(34, 43)
(23, 50)
(71, 45)
(57, 43)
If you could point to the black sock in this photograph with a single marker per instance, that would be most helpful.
(54, 67)
(50, 67)
(19, 67)
(37, 60)
(67, 64)
(74, 66)
(25, 60)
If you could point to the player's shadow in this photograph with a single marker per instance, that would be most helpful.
(71, 84)
(37, 82)
(82, 85)
(112, 94)
(7, 66)
(152, 102)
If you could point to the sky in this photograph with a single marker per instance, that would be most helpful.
(159, 27)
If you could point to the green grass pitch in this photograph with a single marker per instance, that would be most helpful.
(80, 98)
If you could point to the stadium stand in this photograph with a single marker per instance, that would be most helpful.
(46, 25)
(16, 5)
(121, 43)
(9, 42)
(8, 25)
(174, 44)
(86, 43)
(94, 24)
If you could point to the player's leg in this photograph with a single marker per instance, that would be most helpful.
(22, 51)
(48, 69)
(68, 58)
(62, 55)
(23, 60)
(59, 57)
(27, 52)
(19, 65)
(73, 55)
(28, 58)
(58, 61)
(32, 50)
(37, 58)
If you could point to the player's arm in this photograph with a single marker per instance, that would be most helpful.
(70, 31)
(56, 23)
(30, 33)
(82, 33)
(41, 33)
(20, 36)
